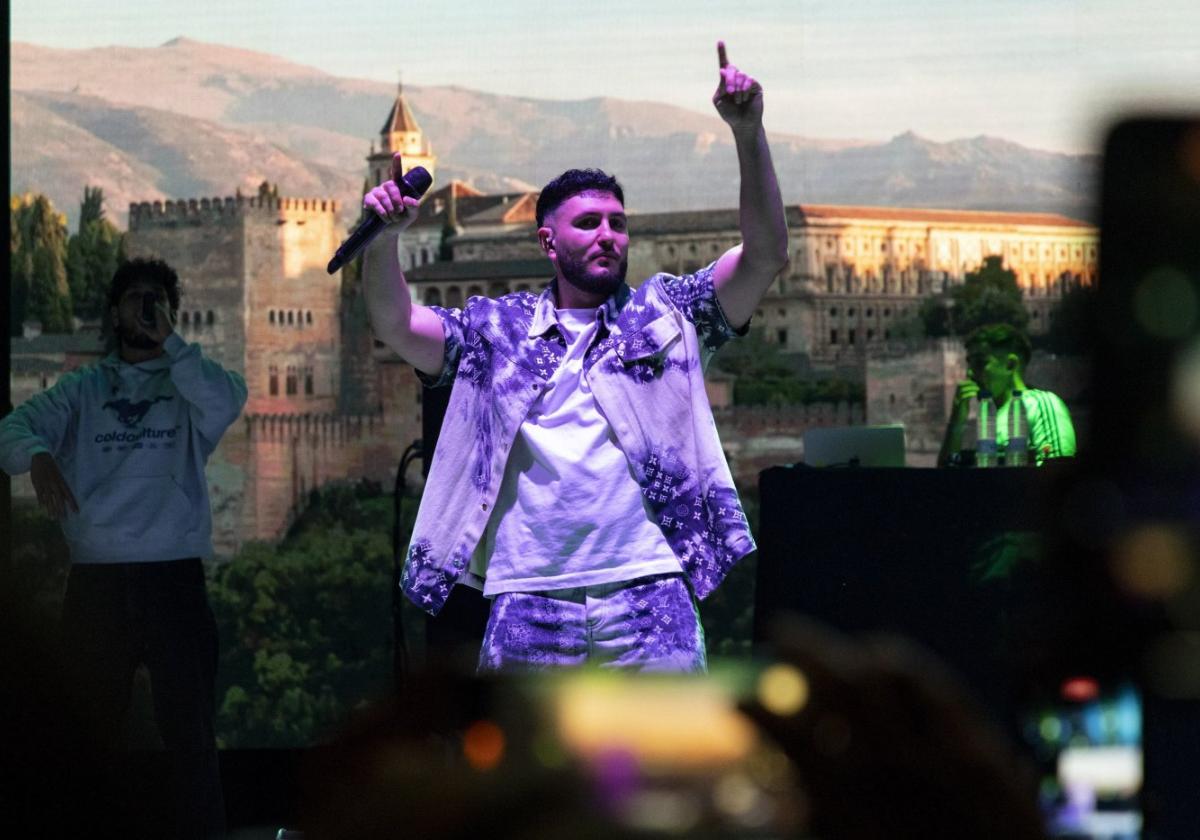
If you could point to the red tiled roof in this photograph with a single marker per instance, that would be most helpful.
(525, 210)
(475, 208)
(810, 212)
(400, 118)
(461, 189)
(799, 215)
(509, 212)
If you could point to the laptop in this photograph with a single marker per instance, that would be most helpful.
(855, 446)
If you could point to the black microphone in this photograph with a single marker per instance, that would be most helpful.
(414, 184)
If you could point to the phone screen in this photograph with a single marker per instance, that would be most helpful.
(148, 303)
(1087, 741)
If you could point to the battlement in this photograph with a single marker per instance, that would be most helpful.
(149, 213)
(321, 429)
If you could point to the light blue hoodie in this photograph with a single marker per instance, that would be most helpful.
(131, 441)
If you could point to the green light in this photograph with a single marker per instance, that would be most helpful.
(1165, 304)
(1050, 728)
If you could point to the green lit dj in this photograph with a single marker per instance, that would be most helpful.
(996, 358)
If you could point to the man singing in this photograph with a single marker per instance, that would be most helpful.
(578, 479)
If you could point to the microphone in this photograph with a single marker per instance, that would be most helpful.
(414, 184)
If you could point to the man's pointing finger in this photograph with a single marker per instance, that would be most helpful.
(722, 59)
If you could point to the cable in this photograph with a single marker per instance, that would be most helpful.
(400, 657)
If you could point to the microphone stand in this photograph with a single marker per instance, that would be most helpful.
(400, 654)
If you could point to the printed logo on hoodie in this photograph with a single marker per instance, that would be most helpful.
(130, 414)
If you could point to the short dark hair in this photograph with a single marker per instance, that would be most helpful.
(999, 340)
(573, 182)
(141, 270)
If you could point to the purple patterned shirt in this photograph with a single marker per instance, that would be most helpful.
(646, 370)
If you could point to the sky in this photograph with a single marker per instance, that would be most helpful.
(1045, 73)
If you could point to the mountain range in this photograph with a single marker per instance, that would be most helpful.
(189, 119)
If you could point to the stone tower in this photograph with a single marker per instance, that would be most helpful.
(400, 133)
(255, 290)
(257, 297)
(361, 374)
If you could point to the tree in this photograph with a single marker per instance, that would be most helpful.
(766, 377)
(18, 286)
(91, 209)
(910, 328)
(990, 295)
(306, 625)
(1071, 323)
(37, 264)
(92, 256)
(763, 376)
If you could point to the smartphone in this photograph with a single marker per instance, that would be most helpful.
(149, 304)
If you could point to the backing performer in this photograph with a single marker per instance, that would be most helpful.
(116, 452)
(578, 479)
(997, 355)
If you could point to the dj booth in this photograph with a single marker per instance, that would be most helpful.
(954, 559)
(943, 557)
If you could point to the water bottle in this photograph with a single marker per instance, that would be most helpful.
(1016, 452)
(985, 439)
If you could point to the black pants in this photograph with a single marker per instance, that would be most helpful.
(119, 615)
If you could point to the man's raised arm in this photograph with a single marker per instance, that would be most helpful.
(744, 273)
(412, 330)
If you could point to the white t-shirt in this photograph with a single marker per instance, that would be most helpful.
(569, 511)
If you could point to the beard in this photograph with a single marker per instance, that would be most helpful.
(575, 271)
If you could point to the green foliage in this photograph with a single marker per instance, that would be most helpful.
(35, 571)
(1070, 330)
(445, 251)
(306, 625)
(766, 377)
(910, 328)
(91, 209)
(793, 391)
(93, 254)
(18, 286)
(37, 265)
(990, 295)
(752, 355)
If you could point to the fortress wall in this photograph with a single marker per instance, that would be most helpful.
(291, 305)
(203, 243)
(294, 454)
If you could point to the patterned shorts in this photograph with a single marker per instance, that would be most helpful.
(647, 624)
